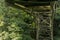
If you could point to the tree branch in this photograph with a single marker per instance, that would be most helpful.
(24, 8)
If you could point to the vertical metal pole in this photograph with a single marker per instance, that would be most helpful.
(52, 17)
(38, 26)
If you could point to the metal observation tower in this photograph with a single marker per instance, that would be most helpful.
(43, 10)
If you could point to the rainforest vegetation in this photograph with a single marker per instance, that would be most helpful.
(17, 24)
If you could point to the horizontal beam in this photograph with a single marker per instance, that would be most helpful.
(34, 11)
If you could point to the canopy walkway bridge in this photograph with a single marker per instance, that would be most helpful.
(44, 14)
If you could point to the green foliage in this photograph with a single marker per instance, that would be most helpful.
(57, 24)
(15, 24)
